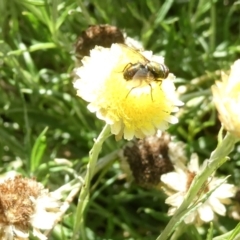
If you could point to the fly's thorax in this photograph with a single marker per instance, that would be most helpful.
(159, 70)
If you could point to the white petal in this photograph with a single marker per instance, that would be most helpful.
(175, 200)
(92, 107)
(224, 191)
(8, 233)
(217, 206)
(128, 133)
(206, 213)
(193, 165)
(149, 132)
(171, 119)
(190, 218)
(175, 109)
(175, 181)
(161, 125)
(116, 128)
(38, 234)
(171, 211)
(20, 233)
(43, 219)
(178, 103)
(158, 59)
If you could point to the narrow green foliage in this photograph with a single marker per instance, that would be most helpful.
(38, 151)
(235, 233)
(46, 131)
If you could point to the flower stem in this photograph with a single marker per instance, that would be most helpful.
(179, 231)
(218, 157)
(84, 194)
(75, 185)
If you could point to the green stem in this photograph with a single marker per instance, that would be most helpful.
(179, 231)
(213, 27)
(218, 157)
(84, 194)
(75, 185)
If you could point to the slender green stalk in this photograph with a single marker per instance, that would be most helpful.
(74, 186)
(218, 157)
(213, 27)
(84, 194)
(179, 231)
(231, 235)
(27, 127)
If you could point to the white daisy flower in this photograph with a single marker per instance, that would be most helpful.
(227, 99)
(123, 90)
(178, 182)
(144, 160)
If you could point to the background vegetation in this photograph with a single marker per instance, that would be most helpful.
(42, 119)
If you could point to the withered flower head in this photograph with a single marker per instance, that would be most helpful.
(100, 35)
(25, 204)
(234, 210)
(147, 160)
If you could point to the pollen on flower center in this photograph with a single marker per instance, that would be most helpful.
(190, 177)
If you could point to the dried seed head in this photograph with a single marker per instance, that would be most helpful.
(16, 206)
(148, 159)
(237, 196)
(234, 210)
(100, 35)
(25, 205)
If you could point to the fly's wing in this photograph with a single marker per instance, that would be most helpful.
(143, 75)
(132, 56)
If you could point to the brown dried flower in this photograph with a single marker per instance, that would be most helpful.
(147, 160)
(234, 210)
(25, 204)
(100, 35)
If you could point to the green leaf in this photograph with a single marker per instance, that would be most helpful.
(38, 151)
(210, 232)
(235, 232)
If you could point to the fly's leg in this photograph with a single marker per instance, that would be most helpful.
(126, 67)
(151, 91)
